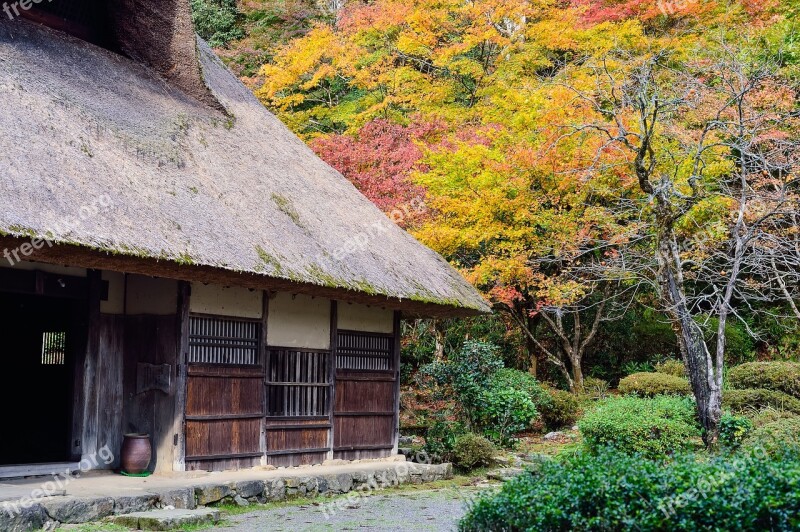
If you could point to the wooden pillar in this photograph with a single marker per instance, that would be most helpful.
(179, 424)
(88, 381)
(332, 374)
(265, 367)
(397, 346)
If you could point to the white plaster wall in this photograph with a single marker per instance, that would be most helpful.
(151, 295)
(115, 304)
(226, 301)
(42, 267)
(356, 317)
(299, 321)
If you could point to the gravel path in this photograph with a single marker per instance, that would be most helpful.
(398, 510)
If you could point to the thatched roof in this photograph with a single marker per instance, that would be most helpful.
(191, 186)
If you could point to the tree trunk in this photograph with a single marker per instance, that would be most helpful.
(695, 353)
(438, 338)
(530, 348)
(577, 376)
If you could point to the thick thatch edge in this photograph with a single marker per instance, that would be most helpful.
(83, 257)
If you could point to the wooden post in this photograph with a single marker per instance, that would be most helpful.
(265, 365)
(179, 425)
(332, 374)
(397, 337)
(89, 393)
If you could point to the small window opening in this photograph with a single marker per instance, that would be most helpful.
(54, 347)
(85, 19)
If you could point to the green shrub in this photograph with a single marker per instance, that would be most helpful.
(652, 427)
(441, 437)
(523, 381)
(611, 491)
(652, 384)
(472, 450)
(502, 412)
(216, 21)
(769, 415)
(671, 367)
(774, 436)
(492, 400)
(758, 399)
(560, 410)
(595, 388)
(733, 430)
(777, 376)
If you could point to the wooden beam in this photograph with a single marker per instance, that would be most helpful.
(84, 257)
(298, 451)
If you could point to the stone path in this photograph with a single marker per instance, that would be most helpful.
(390, 510)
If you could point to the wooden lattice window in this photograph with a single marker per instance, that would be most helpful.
(54, 348)
(364, 351)
(298, 383)
(223, 340)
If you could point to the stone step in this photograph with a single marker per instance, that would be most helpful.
(167, 519)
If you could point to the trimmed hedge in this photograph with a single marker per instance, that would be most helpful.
(652, 427)
(777, 376)
(758, 399)
(652, 384)
(611, 491)
(472, 450)
(560, 410)
(772, 437)
(672, 367)
(769, 415)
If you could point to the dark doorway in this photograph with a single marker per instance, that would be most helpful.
(39, 339)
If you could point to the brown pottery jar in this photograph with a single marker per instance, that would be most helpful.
(136, 453)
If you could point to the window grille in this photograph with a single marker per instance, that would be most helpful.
(216, 340)
(298, 383)
(54, 348)
(364, 351)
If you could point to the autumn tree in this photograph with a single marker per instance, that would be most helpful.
(712, 141)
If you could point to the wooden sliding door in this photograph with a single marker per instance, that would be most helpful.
(225, 393)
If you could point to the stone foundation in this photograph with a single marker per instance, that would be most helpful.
(288, 484)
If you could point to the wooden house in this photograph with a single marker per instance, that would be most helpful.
(174, 261)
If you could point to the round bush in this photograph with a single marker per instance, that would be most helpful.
(500, 413)
(611, 491)
(652, 384)
(774, 436)
(672, 367)
(653, 427)
(777, 376)
(758, 399)
(560, 410)
(595, 388)
(472, 450)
